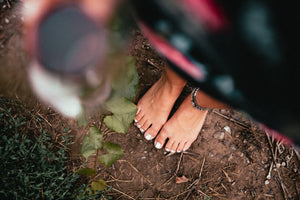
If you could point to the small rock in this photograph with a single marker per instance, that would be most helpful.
(145, 151)
(232, 147)
(283, 164)
(295, 170)
(267, 182)
(6, 20)
(227, 129)
(278, 165)
(219, 135)
(143, 158)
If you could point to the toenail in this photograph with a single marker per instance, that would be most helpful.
(158, 145)
(172, 151)
(148, 136)
(168, 150)
(139, 126)
(142, 130)
(135, 120)
(178, 151)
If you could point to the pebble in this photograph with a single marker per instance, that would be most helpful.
(143, 158)
(227, 129)
(283, 164)
(232, 147)
(6, 20)
(219, 135)
(278, 165)
(295, 170)
(267, 182)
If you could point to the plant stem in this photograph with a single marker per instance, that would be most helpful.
(96, 158)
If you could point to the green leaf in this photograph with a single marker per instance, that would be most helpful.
(114, 153)
(91, 142)
(81, 120)
(126, 84)
(98, 185)
(86, 171)
(123, 111)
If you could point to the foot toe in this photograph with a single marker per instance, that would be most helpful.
(170, 146)
(141, 123)
(151, 132)
(160, 140)
(145, 126)
(186, 146)
(180, 147)
(139, 116)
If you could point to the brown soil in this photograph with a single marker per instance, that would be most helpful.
(221, 164)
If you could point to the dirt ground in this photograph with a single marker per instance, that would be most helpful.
(231, 158)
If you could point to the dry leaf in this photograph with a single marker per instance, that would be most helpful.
(182, 179)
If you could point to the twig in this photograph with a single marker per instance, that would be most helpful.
(170, 154)
(44, 119)
(274, 156)
(151, 63)
(232, 120)
(178, 164)
(191, 153)
(135, 169)
(117, 180)
(176, 196)
(122, 193)
(192, 186)
(167, 181)
(96, 158)
(229, 179)
(203, 193)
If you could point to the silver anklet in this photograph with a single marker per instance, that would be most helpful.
(194, 102)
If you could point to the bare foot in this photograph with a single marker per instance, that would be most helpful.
(182, 129)
(155, 106)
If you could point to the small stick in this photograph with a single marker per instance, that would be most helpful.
(123, 193)
(203, 193)
(176, 196)
(274, 156)
(191, 153)
(192, 186)
(178, 165)
(44, 119)
(167, 181)
(118, 180)
(135, 169)
(232, 120)
(229, 179)
(151, 63)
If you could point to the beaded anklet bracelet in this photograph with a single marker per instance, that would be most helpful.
(194, 102)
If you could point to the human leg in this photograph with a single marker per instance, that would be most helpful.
(184, 126)
(155, 106)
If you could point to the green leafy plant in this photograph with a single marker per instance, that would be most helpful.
(33, 166)
(122, 112)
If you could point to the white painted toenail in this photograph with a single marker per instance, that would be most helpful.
(142, 130)
(178, 151)
(172, 151)
(135, 120)
(158, 145)
(168, 150)
(148, 136)
(139, 126)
